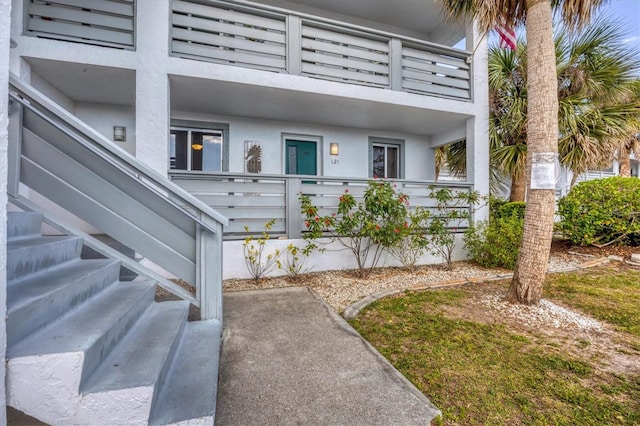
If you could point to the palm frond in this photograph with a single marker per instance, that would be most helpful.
(488, 13)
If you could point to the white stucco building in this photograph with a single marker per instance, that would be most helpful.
(235, 100)
(199, 87)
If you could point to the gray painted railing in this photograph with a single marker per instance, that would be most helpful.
(100, 22)
(252, 200)
(78, 169)
(262, 37)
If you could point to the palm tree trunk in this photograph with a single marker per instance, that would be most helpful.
(542, 132)
(518, 187)
(625, 161)
(574, 178)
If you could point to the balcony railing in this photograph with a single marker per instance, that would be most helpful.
(266, 38)
(282, 41)
(100, 22)
(252, 200)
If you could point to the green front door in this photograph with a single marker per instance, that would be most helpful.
(300, 158)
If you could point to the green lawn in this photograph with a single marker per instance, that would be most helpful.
(480, 374)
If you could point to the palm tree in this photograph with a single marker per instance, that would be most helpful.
(599, 103)
(630, 143)
(597, 107)
(508, 116)
(453, 157)
(542, 117)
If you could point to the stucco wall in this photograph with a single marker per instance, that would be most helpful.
(5, 25)
(52, 92)
(352, 160)
(103, 117)
(334, 258)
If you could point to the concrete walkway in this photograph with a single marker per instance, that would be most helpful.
(289, 359)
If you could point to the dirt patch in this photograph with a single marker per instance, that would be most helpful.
(561, 246)
(551, 324)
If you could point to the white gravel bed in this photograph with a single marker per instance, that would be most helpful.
(545, 314)
(342, 288)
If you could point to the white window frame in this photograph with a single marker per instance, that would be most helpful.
(386, 142)
(194, 126)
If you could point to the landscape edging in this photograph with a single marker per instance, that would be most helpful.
(354, 309)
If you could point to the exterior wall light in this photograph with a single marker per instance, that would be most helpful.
(334, 149)
(196, 146)
(119, 133)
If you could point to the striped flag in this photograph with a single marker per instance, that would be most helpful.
(507, 37)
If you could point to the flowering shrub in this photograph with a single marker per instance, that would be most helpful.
(258, 263)
(383, 221)
(365, 228)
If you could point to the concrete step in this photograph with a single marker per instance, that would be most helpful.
(85, 348)
(41, 298)
(92, 330)
(23, 225)
(139, 362)
(27, 256)
(190, 389)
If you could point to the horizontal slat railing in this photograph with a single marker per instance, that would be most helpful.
(99, 22)
(246, 200)
(333, 55)
(595, 174)
(79, 170)
(214, 33)
(428, 72)
(258, 36)
(252, 200)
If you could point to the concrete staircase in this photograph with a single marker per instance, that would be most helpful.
(86, 348)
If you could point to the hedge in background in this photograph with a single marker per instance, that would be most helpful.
(496, 243)
(511, 209)
(601, 212)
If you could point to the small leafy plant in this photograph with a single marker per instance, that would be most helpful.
(258, 262)
(366, 227)
(496, 242)
(452, 211)
(414, 242)
(294, 261)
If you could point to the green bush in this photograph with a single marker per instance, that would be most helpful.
(496, 243)
(495, 204)
(602, 211)
(514, 208)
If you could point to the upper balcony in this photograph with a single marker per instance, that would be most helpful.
(340, 42)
